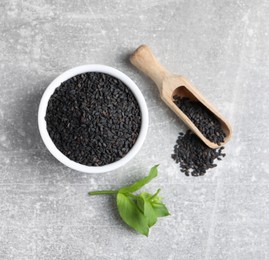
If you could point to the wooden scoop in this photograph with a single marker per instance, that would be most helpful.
(171, 85)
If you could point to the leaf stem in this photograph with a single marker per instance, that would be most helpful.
(131, 195)
(102, 192)
(155, 194)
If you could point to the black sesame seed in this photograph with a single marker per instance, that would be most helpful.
(193, 155)
(81, 116)
(202, 117)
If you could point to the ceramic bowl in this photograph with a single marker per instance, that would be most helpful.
(69, 74)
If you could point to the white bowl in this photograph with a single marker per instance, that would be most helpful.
(43, 125)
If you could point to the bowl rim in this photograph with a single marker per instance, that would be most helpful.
(42, 125)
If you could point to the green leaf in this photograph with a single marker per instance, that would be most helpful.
(139, 184)
(160, 209)
(149, 212)
(131, 214)
(138, 211)
(140, 203)
(140, 200)
(155, 197)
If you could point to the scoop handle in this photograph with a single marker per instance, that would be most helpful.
(144, 59)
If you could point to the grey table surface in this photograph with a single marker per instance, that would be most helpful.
(221, 46)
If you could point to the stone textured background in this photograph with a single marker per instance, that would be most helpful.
(221, 46)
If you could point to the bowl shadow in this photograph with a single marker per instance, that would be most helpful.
(31, 142)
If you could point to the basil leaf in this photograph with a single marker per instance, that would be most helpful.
(138, 211)
(131, 214)
(141, 200)
(139, 184)
(160, 209)
(155, 197)
(140, 203)
(149, 212)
